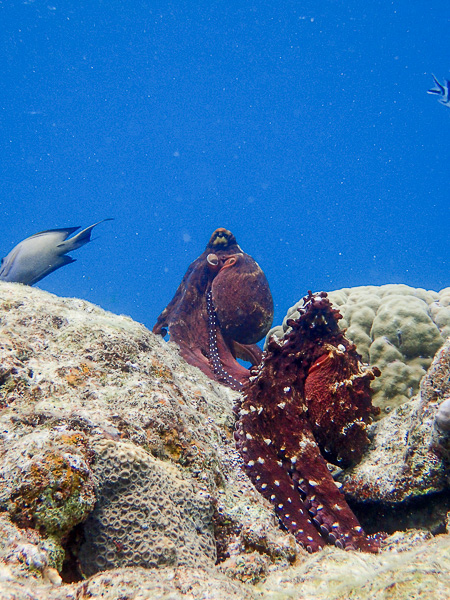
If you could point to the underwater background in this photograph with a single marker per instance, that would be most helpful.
(303, 127)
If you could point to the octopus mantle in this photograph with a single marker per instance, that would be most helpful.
(221, 308)
(307, 403)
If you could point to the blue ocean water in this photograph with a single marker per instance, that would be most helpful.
(303, 127)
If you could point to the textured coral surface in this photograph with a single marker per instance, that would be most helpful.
(146, 514)
(79, 385)
(409, 455)
(93, 406)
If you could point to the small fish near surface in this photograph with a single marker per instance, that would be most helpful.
(42, 253)
(441, 90)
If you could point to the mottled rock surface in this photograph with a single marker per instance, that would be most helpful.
(116, 454)
(408, 457)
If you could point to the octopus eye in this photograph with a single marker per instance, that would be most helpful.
(213, 262)
(212, 259)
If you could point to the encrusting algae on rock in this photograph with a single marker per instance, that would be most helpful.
(95, 411)
(52, 490)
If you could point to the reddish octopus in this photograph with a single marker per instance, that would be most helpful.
(308, 399)
(221, 308)
(306, 403)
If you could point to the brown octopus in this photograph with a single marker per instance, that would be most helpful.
(308, 401)
(222, 307)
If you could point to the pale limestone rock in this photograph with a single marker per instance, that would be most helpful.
(74, 380)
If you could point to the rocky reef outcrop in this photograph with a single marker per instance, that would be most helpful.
(119, 476)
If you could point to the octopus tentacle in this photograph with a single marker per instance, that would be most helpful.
(214, 357)
(296, 389)
(271, 479)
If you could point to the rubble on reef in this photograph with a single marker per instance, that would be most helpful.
(119, 476)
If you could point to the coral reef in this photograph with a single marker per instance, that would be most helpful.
(405, 460)
(77, 382)
(413, 564)
(309, 397)
(395, 327)
(221, 308)
(74, 377)
(28, 553)
(146, 514)
(402, 571)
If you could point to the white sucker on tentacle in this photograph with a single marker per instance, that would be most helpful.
(214, 357)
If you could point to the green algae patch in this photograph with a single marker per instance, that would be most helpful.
(52, 491)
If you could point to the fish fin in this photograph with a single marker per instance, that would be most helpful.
(80, 239)
(439, 89)
(64, 230)
(437, 82)
(62, 262)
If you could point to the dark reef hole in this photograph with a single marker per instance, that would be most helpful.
(71, 572)
(226, 532)
(427, 512)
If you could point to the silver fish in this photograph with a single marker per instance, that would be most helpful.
(42, 253)
(441, 90)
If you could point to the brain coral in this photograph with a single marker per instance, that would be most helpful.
(146, 514)
(395, 327)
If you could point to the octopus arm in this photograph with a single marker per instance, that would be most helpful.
(308, 394)
(326, 504)
(249, 352)
(225, 366)
(274, 483)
